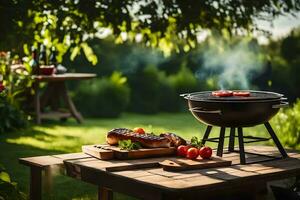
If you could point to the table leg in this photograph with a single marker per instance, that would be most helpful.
(261, 192)
(165, 196)
(105, 193)
(48, 180)
(35, 183)
(70, 103)
(37, 105)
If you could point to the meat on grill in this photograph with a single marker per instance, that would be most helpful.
(146, 140)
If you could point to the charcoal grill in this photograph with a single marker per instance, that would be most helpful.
(235, 113)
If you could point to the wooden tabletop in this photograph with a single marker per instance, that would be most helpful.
(51, 160)
(63, 77)
(152, 182)
(185, 184)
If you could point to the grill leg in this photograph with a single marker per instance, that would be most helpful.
(206, 134)
(276, 140)
(231, 139)
(221, 142)
(241, 146)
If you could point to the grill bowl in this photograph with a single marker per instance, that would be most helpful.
(254, 96)
(240, 112)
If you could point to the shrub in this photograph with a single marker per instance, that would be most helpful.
(153, 91)
(9, 189)
(13, 87)
(11, 117)
(105, 97)
(146, 88)
(169, 98)
(285, 77)
(184, 81)
(287, 125)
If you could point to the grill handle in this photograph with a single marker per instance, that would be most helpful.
(281, 105)
(184, 95)
(200, 110)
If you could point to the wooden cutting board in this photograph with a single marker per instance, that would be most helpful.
(181, 164)
(102, 152)
(107, 152)
(113, 165)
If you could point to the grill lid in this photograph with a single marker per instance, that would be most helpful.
(254, 96)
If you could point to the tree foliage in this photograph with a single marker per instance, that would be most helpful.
(159, 23)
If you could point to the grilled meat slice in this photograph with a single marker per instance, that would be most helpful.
(175, 139)
(146, 140)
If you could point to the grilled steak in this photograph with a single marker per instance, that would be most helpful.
(146, 140)
(175, 139)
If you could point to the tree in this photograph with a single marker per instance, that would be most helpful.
(159, 23)
(290, 47)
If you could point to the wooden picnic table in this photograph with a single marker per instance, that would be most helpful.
(245, 181)
(56, 90)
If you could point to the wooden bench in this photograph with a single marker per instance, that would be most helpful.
(155, 183)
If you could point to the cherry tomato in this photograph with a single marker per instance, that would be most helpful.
(205, 152)
(192, 153)
(222, 93)
(182, 150)
(139, 130)
(241, 93)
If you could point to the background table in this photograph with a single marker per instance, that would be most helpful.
(56, 90)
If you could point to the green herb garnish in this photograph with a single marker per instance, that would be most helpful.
(129, 145)
(195, 142)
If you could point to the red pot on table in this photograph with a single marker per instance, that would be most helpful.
(46, 70)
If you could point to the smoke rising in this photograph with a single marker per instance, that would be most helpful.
(234, 65)
(138, 57)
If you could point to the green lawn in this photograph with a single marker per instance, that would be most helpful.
(56, 137)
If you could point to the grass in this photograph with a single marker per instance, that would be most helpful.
(56, 137)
